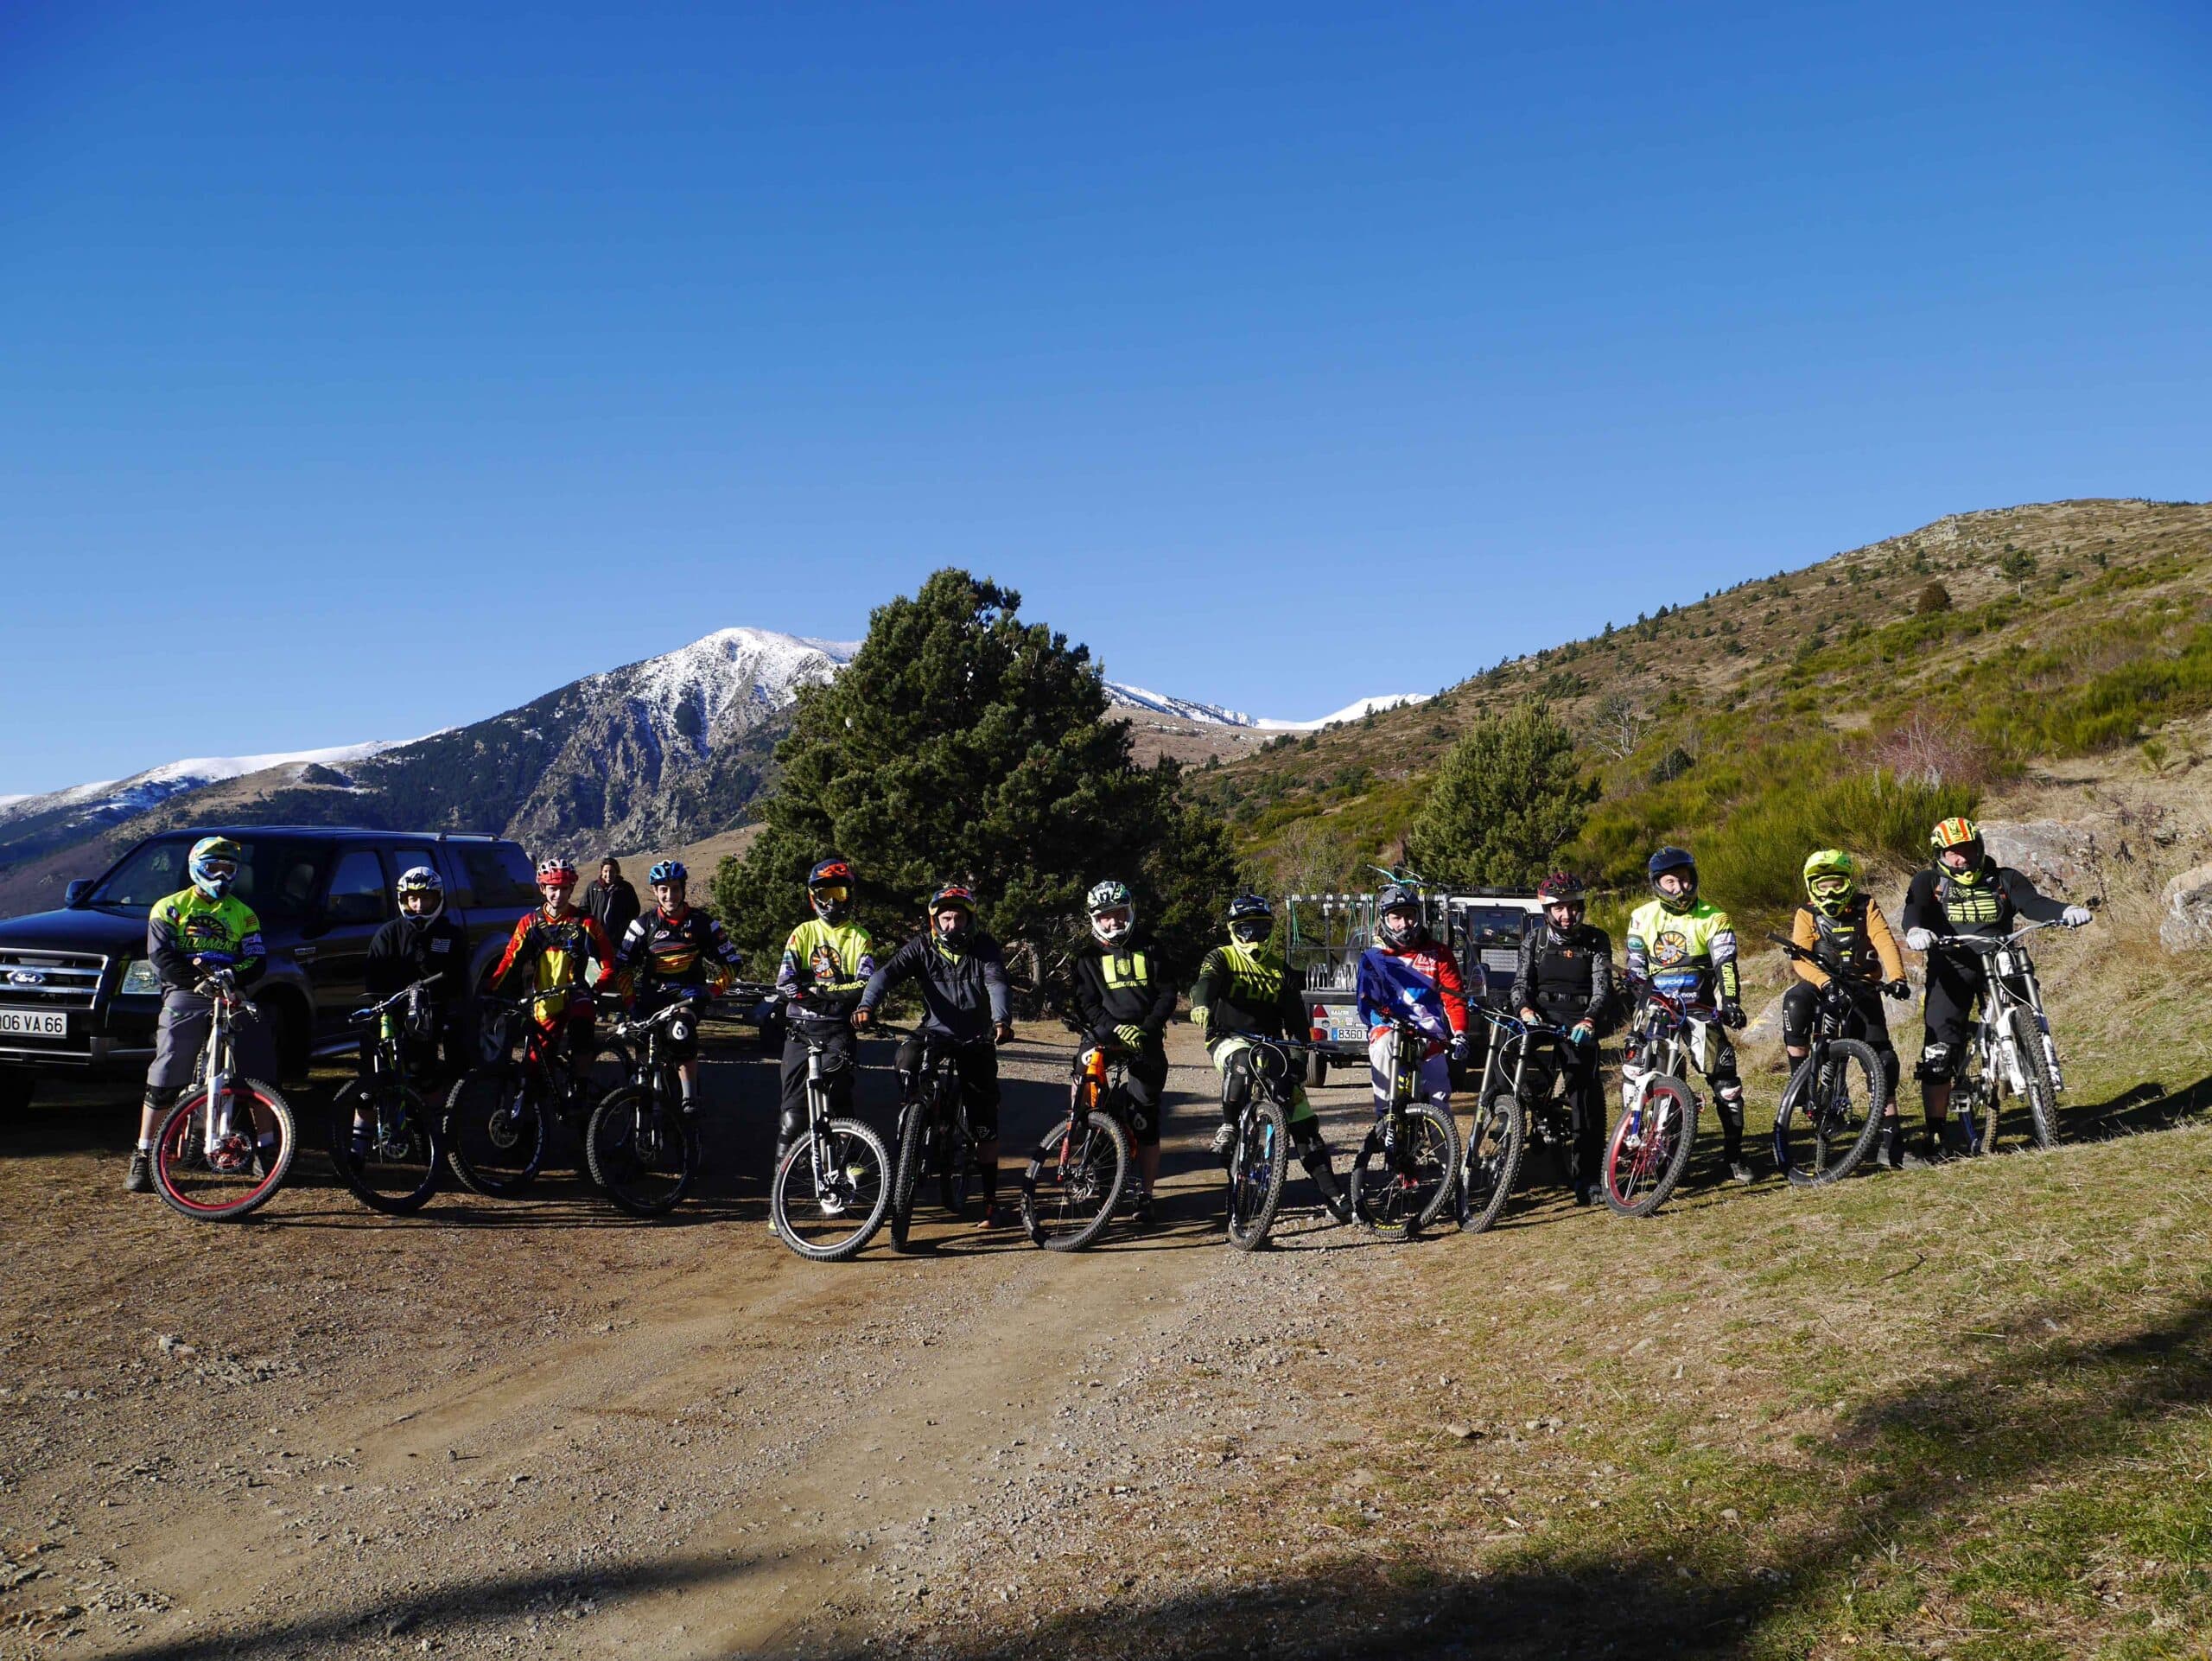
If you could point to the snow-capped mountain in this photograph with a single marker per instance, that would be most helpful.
(114, 798)
(1212, 714)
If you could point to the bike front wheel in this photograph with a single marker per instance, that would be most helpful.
(1649, 1148)
(913, 1149)
(385, 1144)
(641, 1151)
(1496, 1142)
(1399, 1184)
(246, 1164)
(1074, 1181)
(828, 1209)
(2032, 1050)
(495, 1129)
(1830, 1113)
(1258, 1163)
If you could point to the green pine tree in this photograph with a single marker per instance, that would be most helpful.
(1508, 796)
(962, 744)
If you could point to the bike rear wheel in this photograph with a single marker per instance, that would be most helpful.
(1258, 1163)
(1830, 1116)
(913, 1149)
(1496, 1143)
(244, 1171)
(386, 1145)
(2030, 1045)
(1650, 1146)
(495, 1129)
(1074, 1181)
(829, 1218)
(1396, 1191)
(641, 1150)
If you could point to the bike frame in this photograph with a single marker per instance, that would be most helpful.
(2010, 983)
(217, 1078)
(1518, 1036)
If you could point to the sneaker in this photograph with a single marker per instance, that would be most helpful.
(1739, 1171)
(1892, 1149)
(1140, 1213)
(362, 1141)
(1224, 1140)
(139, 1179)
(1585, 1194)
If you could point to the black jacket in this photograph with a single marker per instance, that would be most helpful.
(1565, 980)
(1124, 987)
(964, 993)
(1941, 904)
(407, 950)
(612, 905)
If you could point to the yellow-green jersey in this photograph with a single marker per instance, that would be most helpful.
(1690, 956)
(826, 961)
(189, 935)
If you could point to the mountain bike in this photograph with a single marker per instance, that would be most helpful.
(1522, 1099)
(1650, 1143)
(2009, 1053)
(227, 1144)
(1075, 1179)
(387, 1144)
(833, 1185)
(934, 1136)
(1831, 1111)
(1408, 1165)
(500, 1118)
(639, 1146)
(1259, 1158)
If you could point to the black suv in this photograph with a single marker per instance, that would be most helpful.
(78, 995)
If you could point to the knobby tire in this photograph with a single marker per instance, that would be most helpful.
(1260, 1160)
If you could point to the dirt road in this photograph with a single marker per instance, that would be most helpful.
(537, 1427)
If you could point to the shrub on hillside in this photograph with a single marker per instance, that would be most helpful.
(1507, 797)
(1932, 599)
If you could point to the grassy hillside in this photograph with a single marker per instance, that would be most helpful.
(1854, 700)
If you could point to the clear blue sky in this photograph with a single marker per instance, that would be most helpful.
(364, 370)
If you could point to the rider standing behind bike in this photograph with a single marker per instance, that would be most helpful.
(1845, 930)
(1408, 962)
(197, 933)
(1565, 978)
(827, 962)
(1248, 987)
(965, 1006)
(1125, 998)
(552, 945)
(1686, 947)
(675, 954)
(421, 941)
(1963, 891)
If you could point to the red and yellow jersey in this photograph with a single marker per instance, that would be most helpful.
(555, 946)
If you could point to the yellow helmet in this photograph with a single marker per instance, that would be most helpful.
(1831, 880)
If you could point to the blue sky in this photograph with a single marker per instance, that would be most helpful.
(363, 370)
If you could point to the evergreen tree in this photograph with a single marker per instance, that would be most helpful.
(1507, 797)
(961, 744)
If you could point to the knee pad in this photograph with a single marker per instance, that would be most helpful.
(162, 1097)
(1934, 1065)
(1729, 1098)
(1235, 1086)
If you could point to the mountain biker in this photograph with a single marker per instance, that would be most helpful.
(199, 936)
(1685, 947)
(675, 954)
(553, 946)
(1413, 968)
(421, 941)
(1245, 987)
(1565, 978)
(1125, 998)
(1844, 928)
(1963, 891)
(962, 978)
(827, 961)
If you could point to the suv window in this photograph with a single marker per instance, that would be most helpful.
(276, 877)
(495, 874)
(407, 855)
(356, 888)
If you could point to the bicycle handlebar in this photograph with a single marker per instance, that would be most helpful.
(373, 1010)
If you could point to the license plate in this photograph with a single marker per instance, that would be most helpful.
(35, 1023)
(1347, 1035)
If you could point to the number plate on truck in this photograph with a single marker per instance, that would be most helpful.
(35, 1023)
